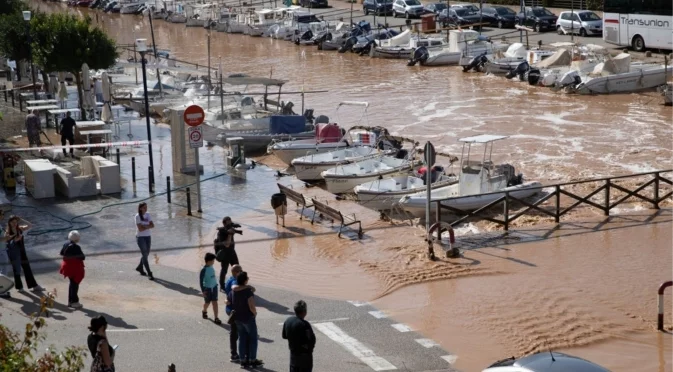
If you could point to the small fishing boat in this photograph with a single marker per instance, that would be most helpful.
(344, 178)
(512, 58)
(434, 57)
(309, 168)
(480, 182)
(382, 194)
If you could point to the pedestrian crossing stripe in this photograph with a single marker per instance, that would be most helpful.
(355, 347)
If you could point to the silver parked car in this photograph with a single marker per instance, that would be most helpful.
(408, 8)
(582, 22)
(546, 361)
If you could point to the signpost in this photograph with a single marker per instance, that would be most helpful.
(193, 117)
(430, 157)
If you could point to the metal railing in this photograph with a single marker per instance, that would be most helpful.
(660, 304)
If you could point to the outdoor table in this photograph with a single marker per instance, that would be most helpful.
(105, 132)
(41, 102)
(42, 108)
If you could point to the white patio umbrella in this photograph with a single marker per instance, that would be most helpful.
(87, 99)
(106, 115)
(62, 90)
(53, 85)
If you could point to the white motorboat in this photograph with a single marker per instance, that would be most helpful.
(382, 194)
(390, 48)
(329, 137)
(470, 44)
(480, 182)
(344, 178)
(434, 57)
(130, 7)
(515, 54)
(309, 168)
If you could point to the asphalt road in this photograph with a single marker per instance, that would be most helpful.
(158, 323)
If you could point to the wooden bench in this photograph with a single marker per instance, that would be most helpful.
(326, 210)
(295, 197)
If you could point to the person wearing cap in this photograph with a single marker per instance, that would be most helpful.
(101, 351)
(33, 127)
(72, 267)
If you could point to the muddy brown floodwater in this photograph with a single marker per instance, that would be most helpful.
(588, 287)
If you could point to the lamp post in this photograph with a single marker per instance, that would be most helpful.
(26, 17)
(141, 46)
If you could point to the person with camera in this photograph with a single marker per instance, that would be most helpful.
(225, 247)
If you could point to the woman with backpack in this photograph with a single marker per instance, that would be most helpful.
(72, 267)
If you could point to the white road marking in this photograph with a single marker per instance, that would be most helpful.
(401, 327)
(427, 343)
(378, 314)
(355, 347)
(358, 303)
(136, 330)
(451, 359)
(324, 321)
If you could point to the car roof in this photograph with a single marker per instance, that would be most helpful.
(543, 362)
(578, 11)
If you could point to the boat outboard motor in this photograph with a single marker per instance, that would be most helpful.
(477, 63)
(322, 119)
(367, 48)
(570, 78)
(348, 45)
(521, 69)
(401, 154)
(420, 55)
(534, 76)
(305, 36)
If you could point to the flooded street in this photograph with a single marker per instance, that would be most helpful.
(587, 288)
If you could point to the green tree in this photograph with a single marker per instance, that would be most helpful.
(63, 42)
(14, 38)
(12, 6)
(19, 353)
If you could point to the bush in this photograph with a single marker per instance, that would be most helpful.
(595, 4)
(19, 353)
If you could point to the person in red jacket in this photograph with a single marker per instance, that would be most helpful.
(72, 267)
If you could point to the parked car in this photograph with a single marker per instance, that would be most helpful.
(582, 22)
(538, 18)
(408, 8)
(314, 3)
(460, 17)
(546, 361)
(435, 7)
(378, 7)
(502, 15)
(471, 7)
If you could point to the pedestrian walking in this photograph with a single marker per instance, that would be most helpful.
(243, 301)
(16, 249)
(225, 247)
(144, 224)
(68, 132)
(233, 330)
(208, 282)
(5, 282)
(101, 351)
(33, 128)
(98, 89)
(72, 267)
(300, 339)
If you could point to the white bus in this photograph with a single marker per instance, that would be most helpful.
(639, 24)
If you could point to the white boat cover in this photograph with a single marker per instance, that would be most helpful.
(401, 39)
(619, 64)
(561, 58)
(516, 50)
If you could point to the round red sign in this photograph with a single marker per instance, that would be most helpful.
(194, 115)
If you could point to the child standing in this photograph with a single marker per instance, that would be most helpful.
(208, 282)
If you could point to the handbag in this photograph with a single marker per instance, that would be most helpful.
(98, 365)
(232, 317)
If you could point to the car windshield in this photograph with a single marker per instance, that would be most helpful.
(439, 6)
(542, 12)
(384, 1)
(590, 16)
(505, 11)
(412, 2)
(461, 12)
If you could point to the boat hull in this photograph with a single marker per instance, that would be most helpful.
(287, 154)
(443, 59)
(380, 200)
(415, 204)
(340, 184)
(625, 83)
(396, 53)
(311, 171)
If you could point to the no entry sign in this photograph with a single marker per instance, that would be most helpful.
(194, 115)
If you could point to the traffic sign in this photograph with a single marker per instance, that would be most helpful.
(430, 154)
(195, 137)
(194, 115)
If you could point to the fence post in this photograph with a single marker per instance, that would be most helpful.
(506, 204)
(133, 169)
(118, 158)
(149, 176)
(438, 214)
(12, 94)
(557, 217)
(606, 211)
(5, 90)
(189, 203)
(168, 188)
(20, 102)
(656, 190)
(660, 303)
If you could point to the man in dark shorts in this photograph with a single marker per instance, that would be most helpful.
(225, 243)
(300, 339)
(68, 132)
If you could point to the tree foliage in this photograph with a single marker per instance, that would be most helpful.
(12, 6)
(14, 37)
(19, 352)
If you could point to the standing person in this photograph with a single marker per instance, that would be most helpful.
(233, 331)
(16, 249)
(5, 294)
(98, 89)
(33, 127)
(300, 339)
(101, 351)
(243, 301)
(208, 282)
(72, 267)
(68, 132)
(144, 225)
(225, 243)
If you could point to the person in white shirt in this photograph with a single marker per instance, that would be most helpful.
(144, 225)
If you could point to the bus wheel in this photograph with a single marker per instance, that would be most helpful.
(638, 43)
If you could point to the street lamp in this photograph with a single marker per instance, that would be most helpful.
(26, 17)
(141, 46)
